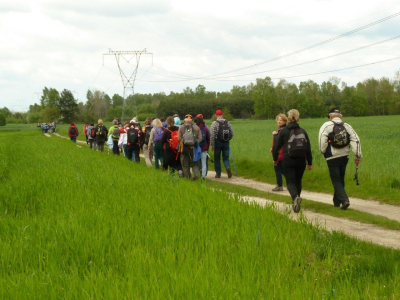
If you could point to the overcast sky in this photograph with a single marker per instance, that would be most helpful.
(60, 44)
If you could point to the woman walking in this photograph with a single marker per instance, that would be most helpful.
(296, 154)
(155, 142)
(281, 121)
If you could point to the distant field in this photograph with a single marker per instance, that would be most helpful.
(78, 224)
(379, 171)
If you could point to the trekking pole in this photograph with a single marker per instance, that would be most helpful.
(208, 155)
(356, 176)
(233, 162)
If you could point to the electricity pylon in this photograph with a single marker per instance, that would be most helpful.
(127, 82)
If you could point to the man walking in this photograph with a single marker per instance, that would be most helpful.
(335, 140)
(221, 134)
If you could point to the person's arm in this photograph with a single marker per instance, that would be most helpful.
(213, 134)
(278, 145)
(323, 136)
(355, 143)
(308, 153)
(230, 129)
(207, 136)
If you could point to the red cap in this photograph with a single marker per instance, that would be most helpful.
(200, 115)
(219, 112)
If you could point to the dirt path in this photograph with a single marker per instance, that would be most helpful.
(369, 206)
(362, 231)
(365, 232)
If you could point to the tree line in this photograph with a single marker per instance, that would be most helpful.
(261, 100)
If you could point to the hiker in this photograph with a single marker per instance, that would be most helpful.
(204, 144)
(133, 141)
(335, 140)
(281, 121)
(177, 121)
(46, 128)
(155, 145)
(85, 132)
(170, 142)
(101, 135)
(146, 130)
(189, 136)
(164, 123)
(91, 134)
(123, 142)
(296, 151)
(221, 134)
(114, 131)
(73, 132)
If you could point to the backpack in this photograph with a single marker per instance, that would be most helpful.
(224, 134)
(115, 134)
(174, 141)
(203, 137)
(100, 131)
(188, 136)
(133, 136)
(297, 143)
(339, 137)
(158, 134)
(72, 131)
(92, 132)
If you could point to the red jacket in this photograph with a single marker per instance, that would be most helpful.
(280, 153)
(76, 131)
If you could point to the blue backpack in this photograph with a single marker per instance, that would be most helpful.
(158, 134)
(203, 137)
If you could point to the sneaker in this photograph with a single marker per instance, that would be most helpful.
(296, 204)
(345, 205)
(228, 170)
(217, 176)
(277, 189)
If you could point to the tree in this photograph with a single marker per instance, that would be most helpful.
(49, 98)
(264, 97)
(2, 120)
(67, 106)
(287, 95)
(49, 114)
(117, 100)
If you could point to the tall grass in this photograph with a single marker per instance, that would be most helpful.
(81, 224)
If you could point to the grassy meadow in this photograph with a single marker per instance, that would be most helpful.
(78, 224)
(379, 171)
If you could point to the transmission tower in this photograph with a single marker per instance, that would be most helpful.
(127, 82)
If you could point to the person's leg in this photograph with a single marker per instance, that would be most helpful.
(101, 146)
(278, 174)
(157, 155)
(225, 155)
(204, 164)
(137, 152)
(115, 148)
(125, 147)
(335, 171)
(217, 158)
(94, 145)
(185, 161)
(129, 151)
(300, 168)
(289, 171)
(146, 155)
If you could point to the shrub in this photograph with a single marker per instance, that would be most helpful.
(2, 120)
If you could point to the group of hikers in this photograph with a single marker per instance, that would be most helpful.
(291, 150)
(183, 147)
(46, 127)
(174, 145)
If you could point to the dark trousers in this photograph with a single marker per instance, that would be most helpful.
(293, 170)
(337, 171)
(100, 146)
(278, 173)
(133, 152)
(221, 148)
(115, 147)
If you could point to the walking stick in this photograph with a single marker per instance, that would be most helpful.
(356, 176)
(233, 162)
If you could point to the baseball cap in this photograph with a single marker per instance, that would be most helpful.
(219, 112)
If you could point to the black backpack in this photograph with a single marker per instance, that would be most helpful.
(133, 136)
(297, 143)
(339, 137)
(72, 131)
(147, 132)
(224, 134)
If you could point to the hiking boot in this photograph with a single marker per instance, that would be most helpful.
(345, 205)
(228, 170)
(296, 204)
(277, 189)
(217, 176)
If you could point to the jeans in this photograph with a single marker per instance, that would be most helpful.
(293, 170)
(73, 138)
(133, 152)
(115, 148)
(337, 171)
(125, 147)
(91, 141)
(204, 168)
(221, 147)
(278, 173)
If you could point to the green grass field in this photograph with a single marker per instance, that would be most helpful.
(78, 224)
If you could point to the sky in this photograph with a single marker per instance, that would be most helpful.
(62, 44)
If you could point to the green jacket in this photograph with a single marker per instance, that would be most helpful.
(111, 131)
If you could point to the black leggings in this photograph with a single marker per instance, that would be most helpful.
(293, 170)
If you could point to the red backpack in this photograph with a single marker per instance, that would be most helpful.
(174, 141)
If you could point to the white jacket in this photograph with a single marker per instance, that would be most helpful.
(332, 152)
